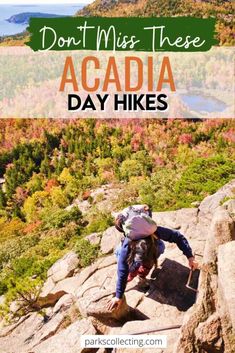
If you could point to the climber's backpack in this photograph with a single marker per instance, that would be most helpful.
(142, 252)
(136, 222)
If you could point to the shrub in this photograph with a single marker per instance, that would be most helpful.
(87, 252)
(158, 191)
(2, 199)
(35, 183)
(130, 167)
(58, 197)
(203, 177)
(26, 292)
(98, 222)
(33, 205)
(57, 218)
(9, 229)
(13, 248)
(3, 287)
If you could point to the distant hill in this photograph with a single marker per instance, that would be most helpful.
(24, 17)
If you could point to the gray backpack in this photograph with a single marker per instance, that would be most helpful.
(136, 222)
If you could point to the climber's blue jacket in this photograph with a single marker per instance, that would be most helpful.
(166, 234)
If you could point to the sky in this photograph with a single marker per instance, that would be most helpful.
(34, 2)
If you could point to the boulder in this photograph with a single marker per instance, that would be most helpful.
(15, 338)
(163, 313)
(230, 207)
(64, 303)
(209, 324)
(47, 287)
(68, 285)
(106, 261)
(86, 273)
(226, 277)
(210, 203)
(51, 294)
(64, 267)
(67, 340)
(188, 222)
(96, 305)
(48, 329)
(92, 276)
(223, 226)
(98, 309)
(176, 219)
(209, 335)
(102, 279)
(110, 240)
(94, 238)
(50, 299)
(134, 297)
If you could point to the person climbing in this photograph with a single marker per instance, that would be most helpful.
(141, 246)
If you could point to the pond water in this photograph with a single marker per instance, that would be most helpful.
(202, 103)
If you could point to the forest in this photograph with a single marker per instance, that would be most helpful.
(46, 164)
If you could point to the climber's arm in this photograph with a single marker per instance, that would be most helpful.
(174, 236)
(123, 268)
(122, 273)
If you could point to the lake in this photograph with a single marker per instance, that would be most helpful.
(7, 11)
(202, 103)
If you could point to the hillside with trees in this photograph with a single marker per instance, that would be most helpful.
(45, 165)
(223, 11)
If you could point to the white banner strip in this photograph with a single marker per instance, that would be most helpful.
(123, 341)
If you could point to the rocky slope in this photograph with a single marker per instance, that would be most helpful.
(74, 303)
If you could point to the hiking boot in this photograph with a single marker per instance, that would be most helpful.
(143, 284)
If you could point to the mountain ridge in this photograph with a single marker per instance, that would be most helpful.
(24, 17)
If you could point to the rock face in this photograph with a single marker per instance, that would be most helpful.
(226, 277)
(67, 340)
(209, 334)
(110, 240)
(209, 325)
(94, 238)
(223, 226)
(77, 302)
(57, 283)
(64, 303)
(64, 267)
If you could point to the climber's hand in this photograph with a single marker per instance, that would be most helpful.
(114, 303)
(193, 264)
